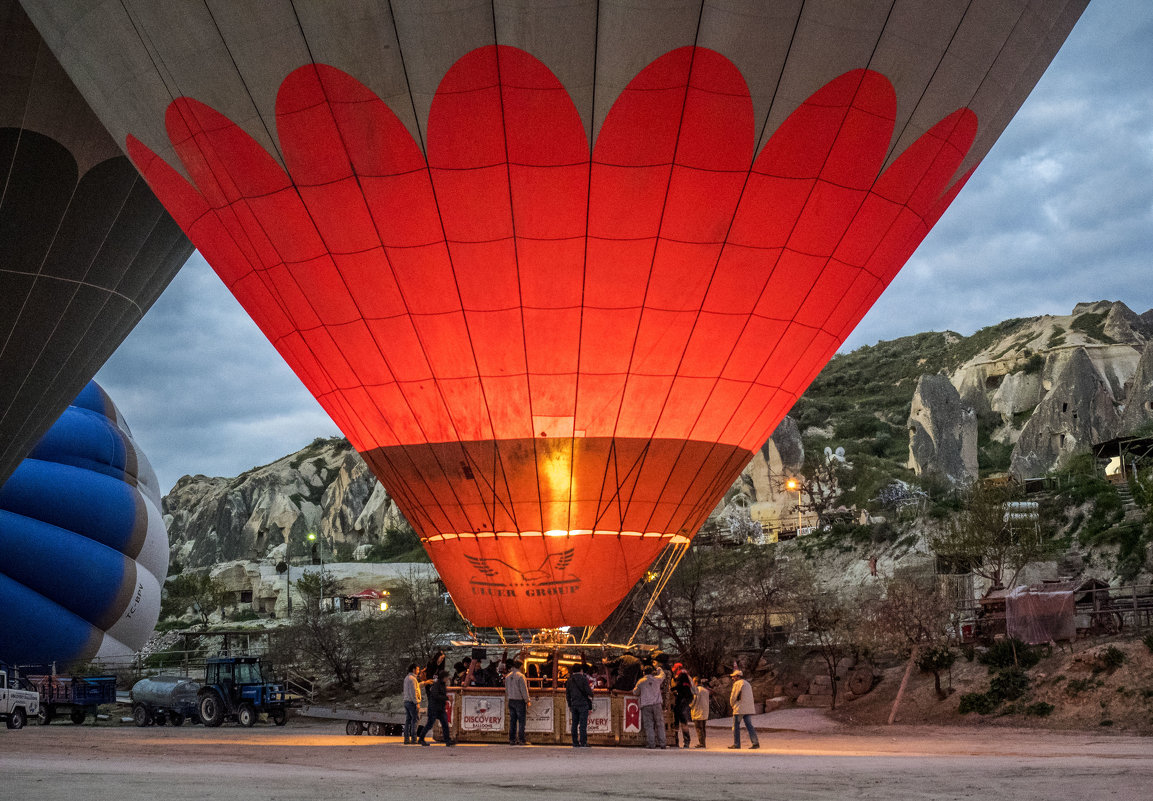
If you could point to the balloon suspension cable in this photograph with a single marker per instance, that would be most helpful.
(671, 556)
(587, 635)
(500, 635)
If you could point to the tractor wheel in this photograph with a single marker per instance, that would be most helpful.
(77, 716)
(280, 716)
(352, 727)
(17, 718)
(211, 709)
(140, 715)
(46, 714)
(160, 717)
(246, 716)
(176, 719)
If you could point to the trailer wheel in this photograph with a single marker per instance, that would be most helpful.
(280, 716)
(211, 709)
(246, 716)
(17, 718)
(376, 729)
(352, 727)
(140, 716)
(77, 716)
(176, 719)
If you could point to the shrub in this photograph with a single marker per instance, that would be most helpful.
(1009, 652)
(1111, 658)
(936, 658)
(1009, 684)
(981, 703)
(1148, 640)
(1040, 709)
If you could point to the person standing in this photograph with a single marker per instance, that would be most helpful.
(516, 691)
(437, 709)
(649, 697)
(579, 696)
(682, 702)
(741, 700)
(411, 705)
(700, 710)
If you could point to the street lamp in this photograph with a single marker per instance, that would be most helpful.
(793, 484)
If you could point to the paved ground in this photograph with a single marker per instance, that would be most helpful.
(796, 762)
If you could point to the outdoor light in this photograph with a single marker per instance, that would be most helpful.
(384, 606)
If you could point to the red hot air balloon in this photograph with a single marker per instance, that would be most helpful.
(559, 314)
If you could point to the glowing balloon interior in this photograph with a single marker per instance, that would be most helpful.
(557, 270)
(84, 544)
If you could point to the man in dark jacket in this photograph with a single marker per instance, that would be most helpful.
(437, 709)
(579, 695)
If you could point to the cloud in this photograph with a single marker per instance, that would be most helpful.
(203, 390)
(1061, 210)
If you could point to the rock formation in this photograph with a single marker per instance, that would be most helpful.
(1139, 394)
(942, 432)
(325, 488)
(1078, 411)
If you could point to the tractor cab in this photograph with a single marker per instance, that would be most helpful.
(237, 687)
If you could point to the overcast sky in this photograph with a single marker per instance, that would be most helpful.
(1061, 211)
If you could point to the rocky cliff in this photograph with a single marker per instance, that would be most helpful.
(325, 489)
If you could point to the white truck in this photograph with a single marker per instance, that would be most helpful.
(16, 703)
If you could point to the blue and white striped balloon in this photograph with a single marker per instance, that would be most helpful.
(83, 547)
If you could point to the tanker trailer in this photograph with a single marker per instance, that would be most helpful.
(164, 699)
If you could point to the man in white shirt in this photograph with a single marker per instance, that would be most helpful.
(516, 693)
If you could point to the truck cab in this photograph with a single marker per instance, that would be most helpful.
(17, 701)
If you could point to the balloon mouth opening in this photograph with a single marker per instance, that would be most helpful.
(675, 539)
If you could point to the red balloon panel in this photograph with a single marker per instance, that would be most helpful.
(557, 356)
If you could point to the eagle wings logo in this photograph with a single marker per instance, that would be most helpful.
(550, 568)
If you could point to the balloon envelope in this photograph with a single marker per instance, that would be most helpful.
(557, 269)
(84, 543)
(85, 248)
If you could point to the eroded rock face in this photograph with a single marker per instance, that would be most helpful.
(942, 432)
(1078, 411)
(1139, 394)
(325, 488)
(759, 491)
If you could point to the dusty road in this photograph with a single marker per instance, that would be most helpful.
(317, 761)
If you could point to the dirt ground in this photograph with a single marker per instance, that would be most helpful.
(312, 760)
(1085, 694)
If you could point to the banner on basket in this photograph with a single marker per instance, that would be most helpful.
(482, 713)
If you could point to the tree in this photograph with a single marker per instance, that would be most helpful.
(314, 586)
(198, 591)
(982, 538)
(833, 625)
(914, 614)
(698, 609)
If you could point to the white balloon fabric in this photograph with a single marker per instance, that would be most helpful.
(85, 549)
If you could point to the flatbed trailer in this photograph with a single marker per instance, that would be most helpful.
(79, 696)
(358, 721)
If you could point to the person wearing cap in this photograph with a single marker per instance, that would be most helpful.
(741, 700)
(650, 693)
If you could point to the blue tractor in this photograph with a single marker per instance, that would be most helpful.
(235, 688)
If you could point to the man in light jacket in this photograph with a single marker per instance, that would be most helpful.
(516, 691)
(650, 695)
(700, 709)
(741, 700)
(411, 705)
